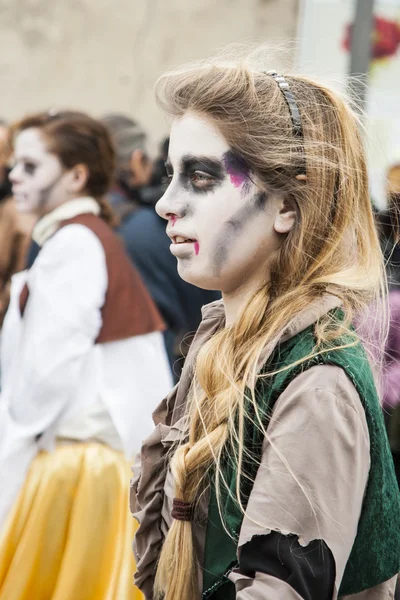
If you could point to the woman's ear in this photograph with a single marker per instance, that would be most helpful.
(286, 216)
(78, 178)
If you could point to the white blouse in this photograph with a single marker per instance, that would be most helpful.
(56, 382)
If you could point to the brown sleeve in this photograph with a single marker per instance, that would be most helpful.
(19, 251)
(314, 467)
(16, 232)
(14, 242)
(147, 498)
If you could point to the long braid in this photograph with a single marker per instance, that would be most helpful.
(211, 413)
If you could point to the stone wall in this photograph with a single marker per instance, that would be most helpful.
(102, 55)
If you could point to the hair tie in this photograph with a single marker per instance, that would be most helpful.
(181, 510)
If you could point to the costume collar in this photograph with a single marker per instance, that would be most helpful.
(215, 311)
(49, 224)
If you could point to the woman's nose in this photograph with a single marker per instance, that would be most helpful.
(13, 174)
(166, 208)
(160, 208)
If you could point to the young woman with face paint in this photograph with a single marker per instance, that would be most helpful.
(81, 344)
(277, 481)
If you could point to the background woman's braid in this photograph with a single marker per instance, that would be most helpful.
(106, 212)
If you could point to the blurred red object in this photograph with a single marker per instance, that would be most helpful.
(385, 39)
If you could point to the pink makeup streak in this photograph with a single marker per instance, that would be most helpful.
(173, 220)
(196, 248)
(236, 168)
(237, 179)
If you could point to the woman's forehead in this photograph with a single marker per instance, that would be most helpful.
(30, 142)
(195, 136)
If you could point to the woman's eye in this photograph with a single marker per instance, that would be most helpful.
(29, 168)
(201, 179)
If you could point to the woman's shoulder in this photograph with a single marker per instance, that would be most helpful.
(73, 242)
(323, 397)
(73, 260)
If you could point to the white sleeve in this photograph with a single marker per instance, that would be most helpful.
(67, 287)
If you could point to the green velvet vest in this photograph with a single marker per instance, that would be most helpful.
(375, 556)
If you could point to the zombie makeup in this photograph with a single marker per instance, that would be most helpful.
(219, 219)
(234, 227)
(237, 170)
(199, 174)
(37, 175)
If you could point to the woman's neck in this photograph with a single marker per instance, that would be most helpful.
(236, 299)
(47, 210)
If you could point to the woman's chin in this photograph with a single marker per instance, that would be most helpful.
(193, 275)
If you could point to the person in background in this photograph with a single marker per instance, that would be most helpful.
(136, 189)
(388, 225)
(391, 379)
(5, 154)
(83, 364)
(15, 229)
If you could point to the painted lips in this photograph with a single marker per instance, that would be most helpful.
(16, 192)
(179, 239)
(182, 246)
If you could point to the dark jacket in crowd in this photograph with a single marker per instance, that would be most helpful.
(146, 242)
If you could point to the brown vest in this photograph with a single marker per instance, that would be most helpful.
(128, 309)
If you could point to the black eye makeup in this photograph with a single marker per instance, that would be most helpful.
(29, 167)
(166, 180)
(199, 174)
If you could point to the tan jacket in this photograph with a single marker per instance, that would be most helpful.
(14, 242)
(318, 425)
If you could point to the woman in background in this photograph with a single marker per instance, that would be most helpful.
(83, 363)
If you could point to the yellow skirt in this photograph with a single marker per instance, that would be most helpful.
(69, 535)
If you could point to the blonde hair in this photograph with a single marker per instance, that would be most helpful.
(333, 248)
